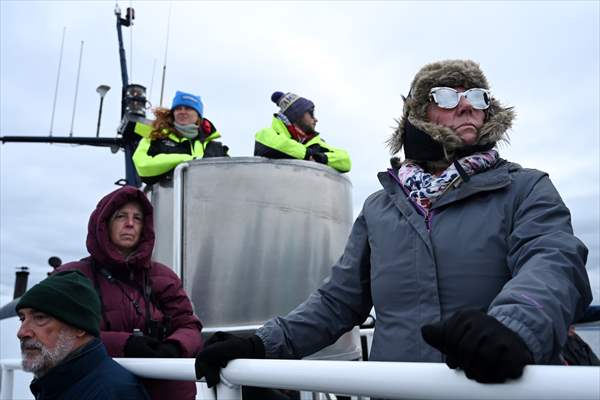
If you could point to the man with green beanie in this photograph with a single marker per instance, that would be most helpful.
(60, 325)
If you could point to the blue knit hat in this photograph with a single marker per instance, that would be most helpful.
(188, 100)
(291, 105)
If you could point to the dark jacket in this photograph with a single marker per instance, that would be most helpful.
(88, 374)
(168, 303)
(155, 159)
(502, 242)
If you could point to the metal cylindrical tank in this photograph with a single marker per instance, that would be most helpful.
(257, 236)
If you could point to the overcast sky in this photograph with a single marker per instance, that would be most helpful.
(353, 59)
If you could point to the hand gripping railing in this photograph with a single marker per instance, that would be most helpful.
(392, 380)
(383, 379)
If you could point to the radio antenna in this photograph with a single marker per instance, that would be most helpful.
(76, 88)
(162, 85)
(152, 80)
(62, 44)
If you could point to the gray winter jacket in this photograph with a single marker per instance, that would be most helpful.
(502, 242)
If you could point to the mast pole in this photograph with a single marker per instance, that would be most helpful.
(131, 177)
(130, 41)
(122, 59)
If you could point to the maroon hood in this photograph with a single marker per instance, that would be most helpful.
(98, 241)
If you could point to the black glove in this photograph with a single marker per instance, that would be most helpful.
(318, 148)
(480, 345)
(149, 347)
(140, 346)
(321, 158)
(310, 151)
(317, 153)
(167, 350)
(220, 349)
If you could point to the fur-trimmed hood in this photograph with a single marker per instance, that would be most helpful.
(450, 73)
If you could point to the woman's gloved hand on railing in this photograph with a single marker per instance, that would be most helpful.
(148, 347)
(480, 345)
(221, 348)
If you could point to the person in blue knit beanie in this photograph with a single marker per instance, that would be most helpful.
(178, 134)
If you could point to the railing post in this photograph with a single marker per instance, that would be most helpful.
(178, 218)
(8, 375)
(227, 391)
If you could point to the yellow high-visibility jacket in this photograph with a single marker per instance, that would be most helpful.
(155, 159)
(276, 141)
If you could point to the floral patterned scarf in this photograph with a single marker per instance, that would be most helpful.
(424, 188)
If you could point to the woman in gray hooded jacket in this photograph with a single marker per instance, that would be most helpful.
(466, 258)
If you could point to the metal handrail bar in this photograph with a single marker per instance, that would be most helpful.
(6, 382)
(393, 380)
(588, 326)
(412, 380)
(386, 379)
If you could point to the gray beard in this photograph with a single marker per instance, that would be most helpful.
(46, 359)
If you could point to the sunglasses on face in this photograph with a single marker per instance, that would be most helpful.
(449, 98)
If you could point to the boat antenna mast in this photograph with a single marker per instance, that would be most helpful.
(164, 71)
(62, 46)
(133, 110)
(133, 103)
(127, 22)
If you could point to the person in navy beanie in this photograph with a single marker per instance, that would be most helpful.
(292, 134)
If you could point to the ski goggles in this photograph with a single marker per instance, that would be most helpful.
(449, 98)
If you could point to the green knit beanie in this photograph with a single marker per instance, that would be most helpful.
(68, 296)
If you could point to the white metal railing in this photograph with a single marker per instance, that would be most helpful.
(392, 380)
(178, 217)
(6, 383)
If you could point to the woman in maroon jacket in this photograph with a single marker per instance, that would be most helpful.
(145, 311)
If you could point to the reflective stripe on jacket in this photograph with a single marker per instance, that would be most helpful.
(277, 142)
(502, 242)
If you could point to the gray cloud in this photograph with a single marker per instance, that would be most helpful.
(353, 59)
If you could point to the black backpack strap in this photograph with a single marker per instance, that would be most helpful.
(99, 291)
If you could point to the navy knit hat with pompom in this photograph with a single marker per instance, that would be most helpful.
(291, 105)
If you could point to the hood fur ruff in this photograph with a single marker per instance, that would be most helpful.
(450, 73)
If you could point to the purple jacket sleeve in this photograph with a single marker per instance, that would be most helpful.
(174, 301)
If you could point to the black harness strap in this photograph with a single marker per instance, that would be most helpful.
(146, 292)
(99, 291)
